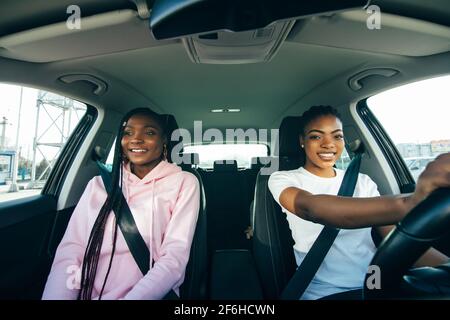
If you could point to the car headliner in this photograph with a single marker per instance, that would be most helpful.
(310, 68)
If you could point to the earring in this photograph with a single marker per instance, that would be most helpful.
(303, 146)
(165, 152)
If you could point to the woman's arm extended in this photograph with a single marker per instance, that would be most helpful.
(346, 212)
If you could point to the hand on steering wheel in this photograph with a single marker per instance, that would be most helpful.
(426, 223)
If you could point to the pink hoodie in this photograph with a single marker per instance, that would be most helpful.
(165, 206)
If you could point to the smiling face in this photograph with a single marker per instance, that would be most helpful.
(323, 142)
(143, 143)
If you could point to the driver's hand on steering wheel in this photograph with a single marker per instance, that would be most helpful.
(436, 175)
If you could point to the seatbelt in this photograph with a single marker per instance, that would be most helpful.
(133, 238)
(315, 256)
(127, 225)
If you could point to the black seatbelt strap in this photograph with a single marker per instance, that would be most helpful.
(127, 225)
(133, 238)
(315, 256)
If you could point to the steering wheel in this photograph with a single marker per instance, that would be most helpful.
(426, 223)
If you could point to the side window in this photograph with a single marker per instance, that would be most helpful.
(344, 160)
(110, 159)
(416, 117)
(34, 126)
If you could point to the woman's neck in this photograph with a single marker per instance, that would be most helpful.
(318, 171)
(142, 170)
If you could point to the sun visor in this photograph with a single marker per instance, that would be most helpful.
(395, 35)
(104, 33)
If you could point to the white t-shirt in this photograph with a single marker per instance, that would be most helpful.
(346, 263)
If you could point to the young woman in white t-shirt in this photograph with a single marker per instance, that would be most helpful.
(308, 196)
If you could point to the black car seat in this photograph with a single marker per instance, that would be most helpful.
(194, 286)
(228, 217)
(272, 240)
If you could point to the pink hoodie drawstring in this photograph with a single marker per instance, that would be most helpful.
(151, 222)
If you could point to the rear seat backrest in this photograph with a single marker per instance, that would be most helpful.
(192, 162)
(228, 218)
(225, 166)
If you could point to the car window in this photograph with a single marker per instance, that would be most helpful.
(344, 160)
(242, 153)
(416, 118)
(110, 159)
(35, 124)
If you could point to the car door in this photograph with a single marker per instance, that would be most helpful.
(31, 226)
(422, 134)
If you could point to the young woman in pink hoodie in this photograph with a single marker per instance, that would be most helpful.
(93, 260)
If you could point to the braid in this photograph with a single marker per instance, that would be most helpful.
(95, 241)
(113, 202)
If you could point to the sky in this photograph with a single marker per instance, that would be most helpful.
(417, 112)
(9, 108)
(413, 113)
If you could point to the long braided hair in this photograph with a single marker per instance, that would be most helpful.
(112, 202)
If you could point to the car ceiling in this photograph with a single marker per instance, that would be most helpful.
(19, 15)
(262, 91)
(160, 74)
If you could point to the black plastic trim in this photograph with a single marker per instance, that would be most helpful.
(404, 178)
(25, 209)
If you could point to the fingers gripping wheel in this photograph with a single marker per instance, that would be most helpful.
(415, 234)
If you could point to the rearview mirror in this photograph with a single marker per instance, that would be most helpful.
(177, 18)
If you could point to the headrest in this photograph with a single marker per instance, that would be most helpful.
(193, 158)
(171, 126)
(171, 123)
(225, 165)
(258, 162)
(98, 153)
(288, 137)
(357, 146)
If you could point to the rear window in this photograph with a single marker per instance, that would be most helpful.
(242, 153)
